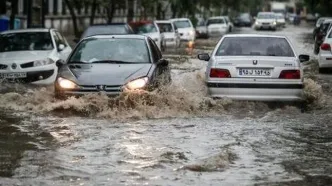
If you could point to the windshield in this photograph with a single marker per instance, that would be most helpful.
(182, 24)
(145, 28)
(215, 21)
(165, 27)
(280, 16)
(266, 16)
(109, 29)
(201, 23)
(126, 50)
(25, 41)
(264, 46)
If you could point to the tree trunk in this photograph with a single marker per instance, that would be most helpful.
(73, 17)
(3, 8)
(110, 11)
(93, 12)
(130, 15)
(13, 13)
(174, 10)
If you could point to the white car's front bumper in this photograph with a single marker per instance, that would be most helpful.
(217, 32)
(265, 26)
(256, 92)
(187, 37)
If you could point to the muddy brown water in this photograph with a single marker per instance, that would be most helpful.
(176, 136)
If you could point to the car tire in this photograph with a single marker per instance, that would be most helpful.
(322, 70)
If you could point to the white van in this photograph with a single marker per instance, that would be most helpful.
(185, 28)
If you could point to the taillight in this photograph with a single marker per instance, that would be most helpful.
(290, 74)
(325, 46)
(219, 73)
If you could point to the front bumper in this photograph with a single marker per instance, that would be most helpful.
(256, 92)
(32, 76)
(185, 37)
(267, 26)
(216, 33)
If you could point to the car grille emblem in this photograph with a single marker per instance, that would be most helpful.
(14, 66)
(101, 87)
(254, 62)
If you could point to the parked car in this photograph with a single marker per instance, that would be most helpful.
(266, 20)
(317, 25)
(281, 21)
(244, 19)
(201, 29)
(112, 64)
(321, 33)
(113, 28)
(185, 28)
(270, 71)
(291, 18)
(151, 29)
(217, 26)
(325, 53)
(310, 18)
(30, 55)
(229, 24)
(169, 33)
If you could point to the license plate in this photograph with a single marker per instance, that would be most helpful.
(255, 72)
(13, 75)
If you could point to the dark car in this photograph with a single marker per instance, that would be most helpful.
(321, 33)
(112, 64)
(244, 19)
(113, 28)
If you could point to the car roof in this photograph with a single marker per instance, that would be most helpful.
(255, 35)
(163, 21)
(27, 30)
(180, 19)
(123, 36)
(327, 20)
(217, 17)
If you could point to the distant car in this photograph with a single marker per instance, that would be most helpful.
(170, 33)
(113, 28)
(310, 18)
(269, 71)
(201, 29)
(266, 20)
(244, 19)
(317, 25)
(325, 53)
(151, 29)
(112, 64)
(321, 33)
(30, 55)
(281, 21)
(291, 18)
(229, 24)
(185, 28)
(217, 26)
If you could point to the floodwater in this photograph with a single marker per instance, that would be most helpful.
(176, 136)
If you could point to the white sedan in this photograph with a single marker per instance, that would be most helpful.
(30, 55)
(325, 53)
(270, 71)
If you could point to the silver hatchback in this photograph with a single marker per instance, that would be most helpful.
(255, 68)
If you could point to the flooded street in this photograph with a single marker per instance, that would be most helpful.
(176, 136)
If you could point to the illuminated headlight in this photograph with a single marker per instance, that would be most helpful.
(137, 83)
(43, 62)
(257, 23)
(274, 23)
(192, 32)
(67, 84)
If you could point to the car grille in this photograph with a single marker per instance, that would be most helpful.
(27, 65)
(266, 23)
(2, 67)
(102, 88)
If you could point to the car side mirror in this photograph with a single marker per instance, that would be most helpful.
(304, 58)
(163, 62)
(204, 57)
(61, 47)
(60, 63)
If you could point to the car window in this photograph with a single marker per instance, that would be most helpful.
(182, 24)
(330, 31)
(265, 16)
(25, 41)
(201, 23)
(154, 49)
(111, 49)
(325, 27)
(215, 21)
(264, 46)
(144, 28)
(165, 27)
(61, 39)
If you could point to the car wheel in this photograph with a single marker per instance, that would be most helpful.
(321, 70)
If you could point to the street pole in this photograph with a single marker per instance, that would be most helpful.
(43, 12)
(29, 13)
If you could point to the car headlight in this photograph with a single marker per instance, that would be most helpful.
(43, 62)
(191, 32)
(257, 23)
(274, 23)
(66, 84)
(137, 83)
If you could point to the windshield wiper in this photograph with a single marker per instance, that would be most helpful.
(79, 62)
(112, 62)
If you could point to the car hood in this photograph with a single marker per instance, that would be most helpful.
(104, 74)
(153, 35)
(23, 56)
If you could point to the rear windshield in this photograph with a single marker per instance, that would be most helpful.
(110, 29)
(144, 28)
(215, 21)
(182, 24)
(165, 27)
(263, 46)
(324, 28)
